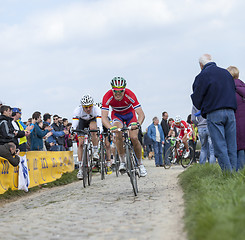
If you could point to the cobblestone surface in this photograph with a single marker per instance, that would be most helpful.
(105, 210)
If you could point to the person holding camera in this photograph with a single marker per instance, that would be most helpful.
(9, 152)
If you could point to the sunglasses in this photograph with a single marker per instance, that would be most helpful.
(89, 106)
(118, 91)
(55, 118)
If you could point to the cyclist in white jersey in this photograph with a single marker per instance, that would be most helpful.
(86, 116)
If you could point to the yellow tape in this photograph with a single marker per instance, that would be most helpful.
(43, 167)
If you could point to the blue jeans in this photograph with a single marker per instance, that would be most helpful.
(222, 129)
(206, 146)
(240, 159)
(158, 152)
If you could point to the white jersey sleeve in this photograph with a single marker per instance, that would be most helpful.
(75, 118)
(97, 115)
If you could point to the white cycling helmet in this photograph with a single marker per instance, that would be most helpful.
(87, 100)
(118, 82)
(177, 119)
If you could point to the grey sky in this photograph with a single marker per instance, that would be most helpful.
(53, 52)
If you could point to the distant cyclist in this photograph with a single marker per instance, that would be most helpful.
(184, 134)
(86, 116)
(124, 106)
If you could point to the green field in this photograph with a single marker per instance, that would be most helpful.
(214, 203)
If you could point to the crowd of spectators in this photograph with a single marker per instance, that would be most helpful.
(217, 119)
(37, 134)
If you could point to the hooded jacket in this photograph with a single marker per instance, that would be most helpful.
(6, 130)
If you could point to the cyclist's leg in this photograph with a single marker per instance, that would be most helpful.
(81, 126)
(185, 141)
(80, 148)
(133, 134)
(93, 126)
(119, 141)
(95, 140)
(118, 122)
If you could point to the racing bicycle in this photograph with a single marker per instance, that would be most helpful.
(132, 163)
(170, 154)
(87, 157)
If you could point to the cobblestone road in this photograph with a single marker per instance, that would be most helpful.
(105, 210)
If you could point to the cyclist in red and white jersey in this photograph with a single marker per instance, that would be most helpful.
(184, 134)
(86, 116)
(124, 106)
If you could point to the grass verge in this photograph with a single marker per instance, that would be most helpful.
(66, 178)
(214, 203)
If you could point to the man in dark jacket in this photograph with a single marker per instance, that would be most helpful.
(7, 131)
(214, 93)
(165, 128)
(58, 128)
(8, 151)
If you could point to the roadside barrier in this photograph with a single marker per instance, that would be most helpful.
(43, 167)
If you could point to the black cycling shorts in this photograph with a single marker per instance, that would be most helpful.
(84, 124)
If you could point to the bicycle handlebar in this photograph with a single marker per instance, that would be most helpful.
(86, 131)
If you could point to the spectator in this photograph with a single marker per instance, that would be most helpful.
(240, 116)
(170, 121)
(193, 137)
(214, 93)
(165, 128)
(52, 144)
(68, 137)
(19, 126)
(155, 132)
(64, 122)
(9, 152)
(37, 134)
(60, 120)
(1, 103)
(7, 131)
(147, 144)
(57, 126)
(206, 142)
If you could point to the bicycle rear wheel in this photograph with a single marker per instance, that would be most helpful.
(169, 157)
(186, 162)
(131, 170)
(85, 166)
(117, 163)
(102, 162)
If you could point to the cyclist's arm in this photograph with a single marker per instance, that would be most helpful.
(105, 120)
(141, 115)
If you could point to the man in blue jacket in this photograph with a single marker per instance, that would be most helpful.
(155, 133)
(37, 133)
(214, 93)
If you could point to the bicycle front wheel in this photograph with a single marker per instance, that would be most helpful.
(186, 162)
(90, 167)
(85, 166)
(131, 170)
(169, 157)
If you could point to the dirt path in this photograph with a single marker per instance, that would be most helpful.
(105, 210)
